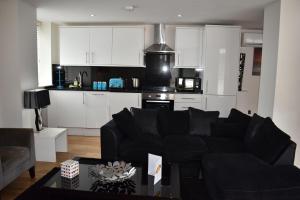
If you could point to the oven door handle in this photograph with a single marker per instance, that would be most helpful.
(152, 101)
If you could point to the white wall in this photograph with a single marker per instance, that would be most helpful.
(286, 112)
(17, 61)
(269, 59)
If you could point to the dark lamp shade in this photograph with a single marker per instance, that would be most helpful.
(37, 98)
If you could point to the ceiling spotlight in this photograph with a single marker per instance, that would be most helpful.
(130, 8)
(92, 15)
(179, 15)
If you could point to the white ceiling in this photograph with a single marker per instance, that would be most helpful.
(248, 13)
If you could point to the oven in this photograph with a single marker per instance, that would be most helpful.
(158, 101)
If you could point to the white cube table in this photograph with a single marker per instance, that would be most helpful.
(49, 141)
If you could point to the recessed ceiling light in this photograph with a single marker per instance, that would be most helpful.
(130, 8)
(179, 15)
(92, 15)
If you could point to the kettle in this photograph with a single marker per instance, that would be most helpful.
(135, 83)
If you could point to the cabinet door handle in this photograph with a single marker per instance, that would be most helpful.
(83, 102)
(98, 94)
(206, 86)
(188, 98)
(139, 58)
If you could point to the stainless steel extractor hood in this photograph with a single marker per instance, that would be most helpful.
(159, 45)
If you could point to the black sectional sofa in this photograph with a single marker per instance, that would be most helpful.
(239, 157)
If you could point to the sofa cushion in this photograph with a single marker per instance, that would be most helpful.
(200, 121)
(180, 148)
(146, 119)
(236, 116)
(228, 129)
(125, 123)
(223, 145)
(137, 151)
(253, 127)
(13, 156)
(269, 142)
(243, 176)
(173, 122)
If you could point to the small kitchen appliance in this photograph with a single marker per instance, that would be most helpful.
(58, 77)
(116, 83)
(188, 84)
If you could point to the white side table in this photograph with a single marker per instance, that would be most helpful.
(49, 141)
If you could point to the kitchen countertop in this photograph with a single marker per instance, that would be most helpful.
(121, 90)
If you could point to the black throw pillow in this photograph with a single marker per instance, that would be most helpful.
(269, 142)
(146, 120)
(125, 123)
(173, 122)
(253, 127)
(237, 116)
(200, 121)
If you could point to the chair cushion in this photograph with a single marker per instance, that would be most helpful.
(200, 121)
(12, 156)
(223, 145)
(125, 123)
(253, 127)
(243, 176)
(173, 122)
(137, 151)
(269, 142)
(146, 119)
(179, 148)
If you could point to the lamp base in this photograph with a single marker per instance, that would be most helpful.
(38, 119)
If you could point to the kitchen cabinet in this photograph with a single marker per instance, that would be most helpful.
(118, 101)
(66, 109)
(96, 109)
(100, 46)
(74, 46)
(221, 103)
(184, 101)
(221, 60)
(128, 46)
(188, 47)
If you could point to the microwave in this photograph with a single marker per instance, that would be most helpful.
(192, 84)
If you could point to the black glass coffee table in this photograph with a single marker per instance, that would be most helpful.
(139, 185)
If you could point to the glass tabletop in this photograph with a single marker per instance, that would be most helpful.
(138, 184)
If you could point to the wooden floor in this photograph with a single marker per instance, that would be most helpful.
(78, 146)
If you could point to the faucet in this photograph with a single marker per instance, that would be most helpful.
(80, 78)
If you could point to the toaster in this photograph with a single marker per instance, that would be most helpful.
(117, 83)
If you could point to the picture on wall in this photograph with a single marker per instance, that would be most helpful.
(257, 61)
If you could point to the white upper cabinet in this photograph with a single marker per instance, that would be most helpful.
(74, 46)
(100, 45)
(128, 46)
(188, 47)
(221, 60)
(96, 109)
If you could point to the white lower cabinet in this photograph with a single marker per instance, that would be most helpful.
(66, 109)
(223, 104)
(96, 109)
(118, 101)
(184, 101)
(84, 113)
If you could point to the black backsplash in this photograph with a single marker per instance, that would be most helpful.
(105, 73)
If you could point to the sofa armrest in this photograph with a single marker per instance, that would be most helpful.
(18, 137)
(288, 155)
(111, 138)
